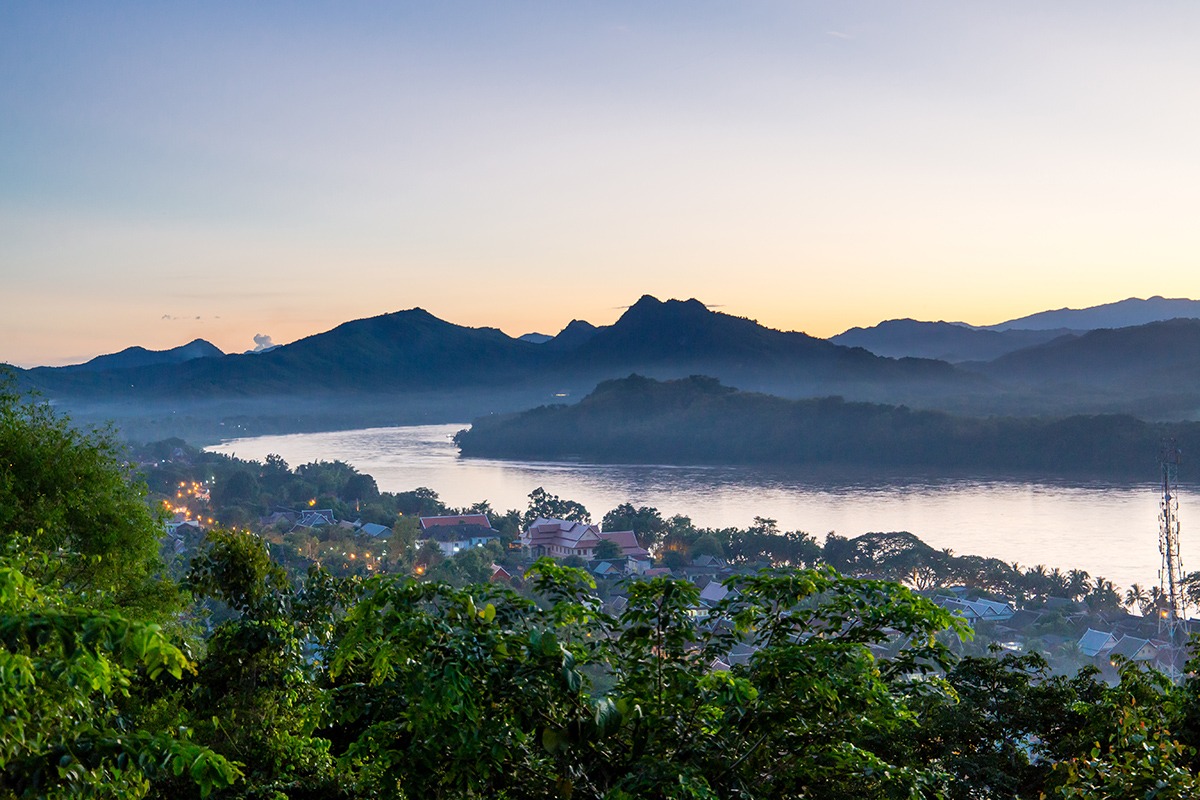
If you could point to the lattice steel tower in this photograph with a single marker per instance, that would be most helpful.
(1172, 618)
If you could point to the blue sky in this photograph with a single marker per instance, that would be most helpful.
(222, 170)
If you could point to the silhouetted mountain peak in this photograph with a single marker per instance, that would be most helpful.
(686, 333)
(577, 333)
(141, 357)
(651, 308)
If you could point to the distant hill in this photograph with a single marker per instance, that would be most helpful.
(132, 357)
(535, 338)
(958, 342)
(699, 421)
(1122, 314)
(1157, 357)
(945, 341)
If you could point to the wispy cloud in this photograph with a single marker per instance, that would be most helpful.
(839, 35)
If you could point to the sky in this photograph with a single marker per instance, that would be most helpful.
(254, 172)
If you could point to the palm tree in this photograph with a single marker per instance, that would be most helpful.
(1137, 596)
(1037, 581)
(1158, 601)
(1079, 585)
(1068, 658)
(1058, 582)
(1104, 595)
(1191, 589)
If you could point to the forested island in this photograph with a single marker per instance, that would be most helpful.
(698, 420)
(342, 662)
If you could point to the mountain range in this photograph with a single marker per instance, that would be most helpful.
(958, 342)
(409, 367)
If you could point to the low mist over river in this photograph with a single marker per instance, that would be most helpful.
(1108, 530)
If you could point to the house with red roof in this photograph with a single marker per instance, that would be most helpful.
(559, 539)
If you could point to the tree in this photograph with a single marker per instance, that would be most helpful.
(71, 493)
(646, 522)
(1134, 753)
(1078, 584)
(1008, 725)
(472, 565)
(1103, 596)
(274, 475)
(675, 559)
(238, 487)
(477, 692)
(607, 550)
(421, 501)
(255, 696)
(456, 693)
(1138, 597)
(1191, 589)
(359, 488)
(66, 677)
(707, 545)
(550, 506)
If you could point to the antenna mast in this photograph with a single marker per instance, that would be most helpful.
(1172, 618)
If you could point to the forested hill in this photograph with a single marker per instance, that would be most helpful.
(697, 420)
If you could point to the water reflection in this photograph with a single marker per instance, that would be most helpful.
(1106, 529)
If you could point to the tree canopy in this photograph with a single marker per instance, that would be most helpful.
(70, 494)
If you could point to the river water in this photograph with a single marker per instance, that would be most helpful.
(1106, 529)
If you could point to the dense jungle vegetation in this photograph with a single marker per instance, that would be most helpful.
(242, 679)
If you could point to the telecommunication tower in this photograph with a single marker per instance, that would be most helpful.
(1172, 618)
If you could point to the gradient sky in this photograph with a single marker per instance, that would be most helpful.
(220, 170)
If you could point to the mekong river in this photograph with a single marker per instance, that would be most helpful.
(1105, 529)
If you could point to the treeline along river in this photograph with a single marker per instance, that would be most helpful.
(1107, 529)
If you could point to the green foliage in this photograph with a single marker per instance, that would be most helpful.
(800, 683)
(421, 501)
(1134, 753)
(707, 545)
(71, 493)
(239, 487)
(69, 728)
(477, 692)
(550, 506)
(645, 521)
(675, 559)
(472, 565)
(255, 696)
(606, 550)
(237, 569)
(1007, 725)
(451, 693)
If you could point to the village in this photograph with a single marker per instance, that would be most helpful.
(1072, 619)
